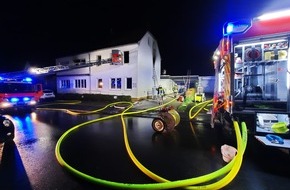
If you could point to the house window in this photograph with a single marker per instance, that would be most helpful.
(119, 85)
(129, 83)
(116, 83)
(64, 84)
(126, 56)
(99, 59)
(100, 83)
(80, 83)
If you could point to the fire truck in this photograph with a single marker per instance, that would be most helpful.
(19, 94)
(252, 69)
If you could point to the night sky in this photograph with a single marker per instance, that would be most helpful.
(35, 33)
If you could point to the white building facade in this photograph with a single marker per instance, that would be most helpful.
(132, 69)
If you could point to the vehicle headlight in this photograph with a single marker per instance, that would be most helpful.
(32, 102)
(7, 122)
(5, 104)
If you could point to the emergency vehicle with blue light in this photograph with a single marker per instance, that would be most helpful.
(252, 69)
(19, 94)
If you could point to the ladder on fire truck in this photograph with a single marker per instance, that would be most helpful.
(52, 69)
(56, 68)
(49, 69)
(187, 81)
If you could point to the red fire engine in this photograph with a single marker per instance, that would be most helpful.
(252, 68)
(16, 94)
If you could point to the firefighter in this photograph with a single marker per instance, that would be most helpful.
(160, 94)
(175, 90)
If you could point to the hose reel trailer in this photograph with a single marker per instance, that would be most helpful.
(168, 119)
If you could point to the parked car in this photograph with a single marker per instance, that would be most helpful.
(47, 95)
(6, 129)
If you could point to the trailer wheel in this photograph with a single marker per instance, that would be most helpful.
(158, 125)
(6, 130)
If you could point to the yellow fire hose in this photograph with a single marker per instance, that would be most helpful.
(201, 105)
(229, 171)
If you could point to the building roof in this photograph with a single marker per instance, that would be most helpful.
(116, 39)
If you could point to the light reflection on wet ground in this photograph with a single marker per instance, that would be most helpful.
(191, 150)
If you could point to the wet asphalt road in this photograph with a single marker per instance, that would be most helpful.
(29, 162)
(97, 149)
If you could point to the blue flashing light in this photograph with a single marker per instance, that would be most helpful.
(230, 28)
(1, 78)
(26, 99)
(237, 27)
(27, 79)
(14, 100)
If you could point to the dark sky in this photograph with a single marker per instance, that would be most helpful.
(35, 33)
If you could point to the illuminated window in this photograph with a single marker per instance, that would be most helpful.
(80, 83)
(116, 83)
(64, 84)
(100, 83)
(129, 83)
